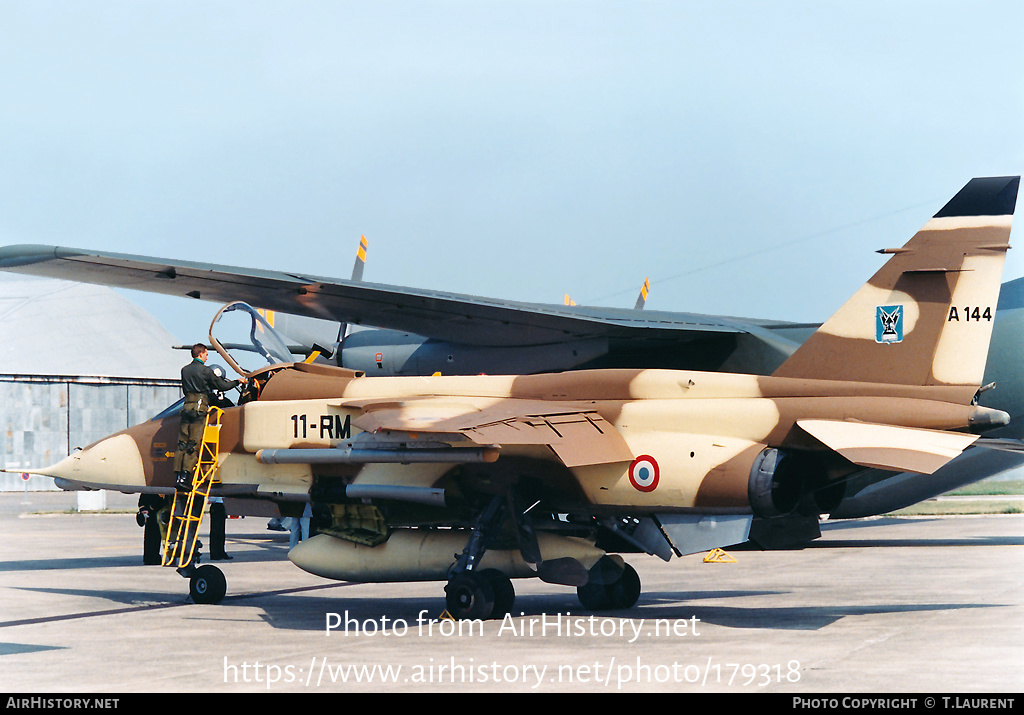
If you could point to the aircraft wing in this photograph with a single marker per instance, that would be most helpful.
(445, 316)
(576, 433)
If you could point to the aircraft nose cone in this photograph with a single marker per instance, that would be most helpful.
(112, 463)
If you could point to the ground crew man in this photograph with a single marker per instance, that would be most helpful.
(148, 517)
(199, 383)
(218, 518)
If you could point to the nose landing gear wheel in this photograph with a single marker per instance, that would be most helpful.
(207, 585)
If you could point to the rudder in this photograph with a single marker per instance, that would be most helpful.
(925, 318)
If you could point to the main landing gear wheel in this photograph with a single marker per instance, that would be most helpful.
(207, 585)
(469, 595)
(620, 592)
(504, 593)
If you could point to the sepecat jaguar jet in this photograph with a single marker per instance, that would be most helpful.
(428, 332)
(478, 480)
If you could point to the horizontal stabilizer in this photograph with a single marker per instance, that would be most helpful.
(901, 449)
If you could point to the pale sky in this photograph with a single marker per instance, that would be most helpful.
(748, 157)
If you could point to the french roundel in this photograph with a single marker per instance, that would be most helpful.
(644, 473)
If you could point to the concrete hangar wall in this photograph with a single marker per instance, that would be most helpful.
(77, 363)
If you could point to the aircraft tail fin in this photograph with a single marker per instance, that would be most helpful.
(641, 299)
(357, 269)
(925, 318)
(357, 275)
(317, 335)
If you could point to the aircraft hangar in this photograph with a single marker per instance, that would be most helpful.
(77, 362)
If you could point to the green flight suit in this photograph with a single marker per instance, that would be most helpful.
(198, 382)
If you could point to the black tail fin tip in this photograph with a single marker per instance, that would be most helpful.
(990, 196)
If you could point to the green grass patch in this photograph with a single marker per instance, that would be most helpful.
(991, 487)
(937, 507)
(965, 505)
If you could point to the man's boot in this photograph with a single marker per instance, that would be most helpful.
(183, 482)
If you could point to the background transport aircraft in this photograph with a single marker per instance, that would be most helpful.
(427, 332)
(382, 351)
(551, 475)
(432, 331)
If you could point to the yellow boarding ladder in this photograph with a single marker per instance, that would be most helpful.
(187, 509)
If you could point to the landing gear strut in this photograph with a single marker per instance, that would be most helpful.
(479, 595)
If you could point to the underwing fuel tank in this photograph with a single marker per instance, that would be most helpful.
(425, 555)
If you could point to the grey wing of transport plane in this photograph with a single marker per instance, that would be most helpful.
(433, 331)
(475, 481)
